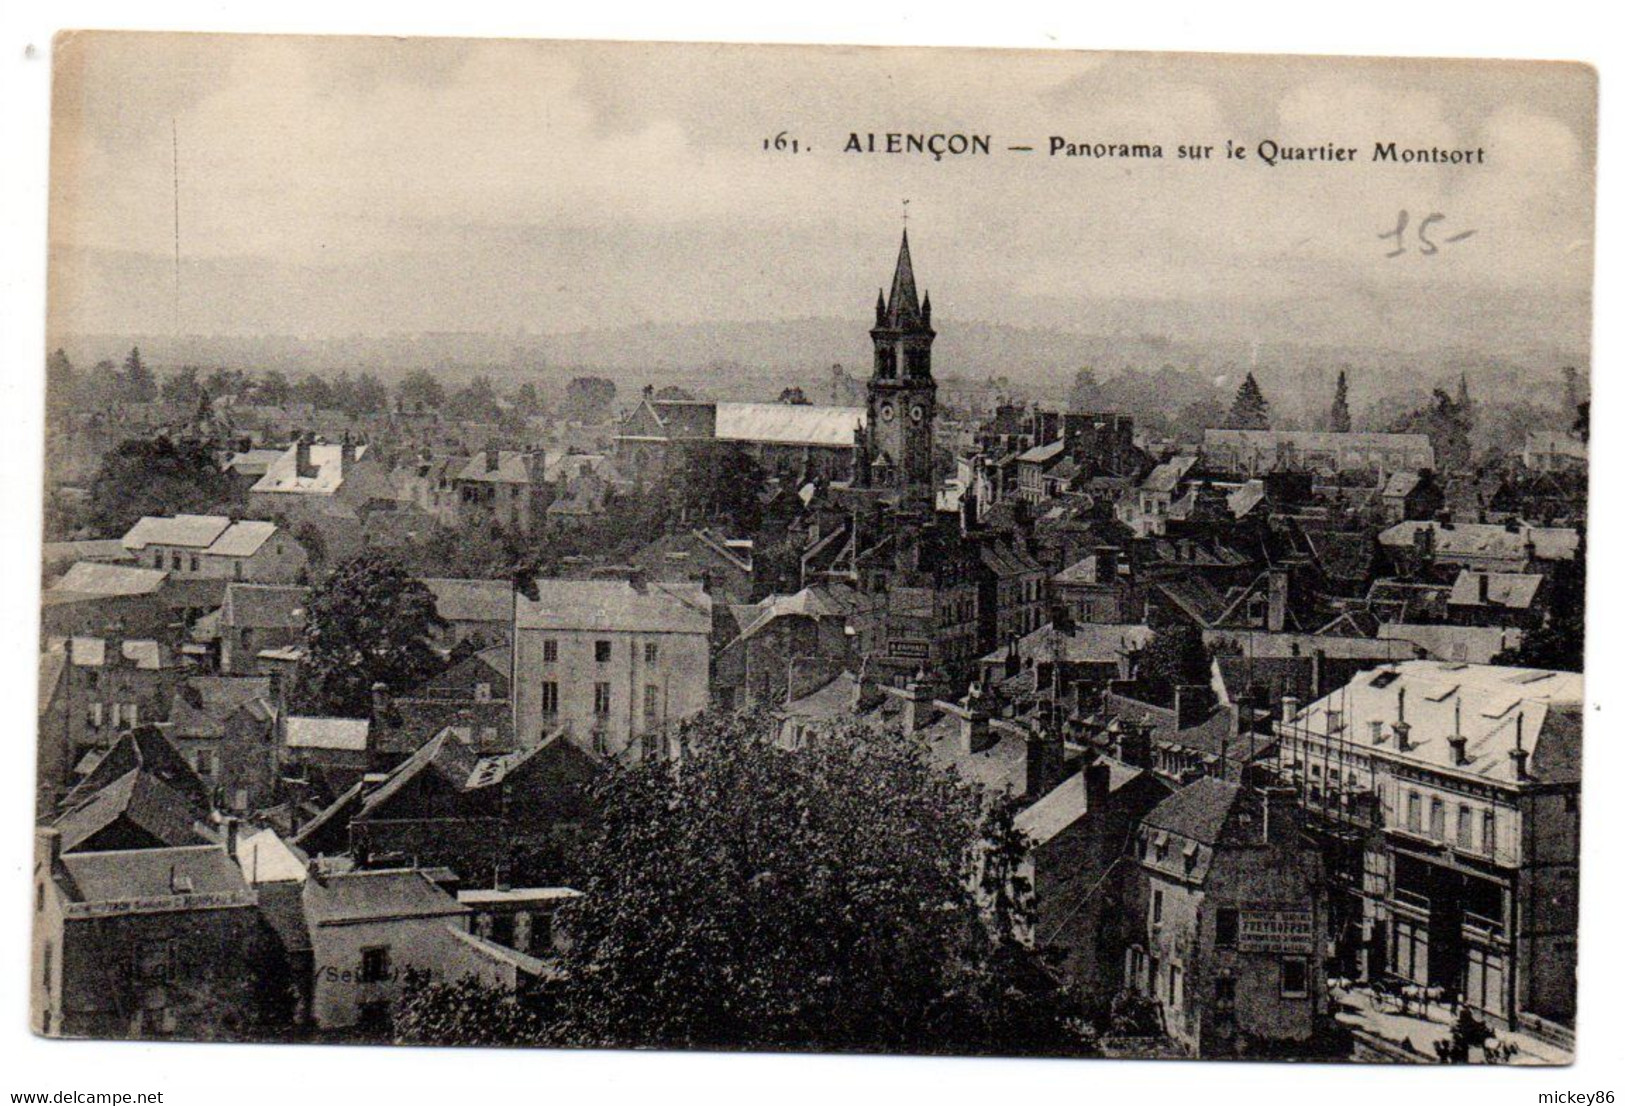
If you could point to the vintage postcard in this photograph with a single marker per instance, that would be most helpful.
(888, 550)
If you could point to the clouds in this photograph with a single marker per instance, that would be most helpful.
(384, 185)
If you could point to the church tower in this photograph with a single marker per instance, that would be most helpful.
(902, 396)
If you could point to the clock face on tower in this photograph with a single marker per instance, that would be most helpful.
(886, 412)
(916, 412)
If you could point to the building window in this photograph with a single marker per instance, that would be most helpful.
(600, 699)
(1294, 977)
(651, 653)
(1176, 985)
(601, 651)
(155, 961)
(47, 967)
(375, 964)
(550, 651)
(550, 697)
(1226, 925)
(1156, 907)
(651, 704)
(1224, 995)
(1464, 826)
(1413, 812)
(1489, 831)
(1411, 951)
(94, 713)
(1436, 819)
(175, 562)
(192, 563)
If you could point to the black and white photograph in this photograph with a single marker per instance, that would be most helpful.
(915, 551)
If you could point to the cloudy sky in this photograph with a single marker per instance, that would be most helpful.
(373, 186)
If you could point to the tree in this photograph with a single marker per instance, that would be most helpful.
(136, 381)
(527, 401)
(721, 487)
(367, 623)
(466, 1011)
(748, 896)
(61, 384)
(1448, 423)
(476, 401)
(1559, 642)
(227, 382)
(1174, 657)
(420, 392)
(1338, 419)
(182, 387)
(158, 477)
(1250, 411)
(794, 396)
(272, 389)
(370, 397)
(313, 390)
(589, 399)
(1086, 394)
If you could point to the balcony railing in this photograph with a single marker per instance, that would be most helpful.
(1412, 898)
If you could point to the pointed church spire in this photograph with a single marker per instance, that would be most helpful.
(905, 302)
(880, 307)
(925, 309)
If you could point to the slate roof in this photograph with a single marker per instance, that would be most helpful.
(265, 858)
(351, 897)
(1490, 701)
(344, 734)
(616, 606)
(1505, 589)
(129, 874)
(1197, 811)
(1478, 539)
(283, 474)
(139, 797)
(1068, 802)
(264, 606)
(512, 467)
(91, 652)
(789, 424)
(193, 531)
(472, 600)
(92, 578)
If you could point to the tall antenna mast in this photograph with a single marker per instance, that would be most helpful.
(175, 155)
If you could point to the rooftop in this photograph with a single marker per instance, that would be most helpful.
(127, 875)
(616, 606)
(375, 896)
(1493, 707)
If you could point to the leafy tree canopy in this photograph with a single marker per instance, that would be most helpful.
(825, 899)
(158, 477)
(368, 622)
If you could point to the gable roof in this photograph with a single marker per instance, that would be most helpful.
(1502, 589)
(344, 734)
(1069, 801)
(1197, 811)
(616, 606)
(264, 606)
(472, 600)
(140, 797)
(106, 580)
(789, 424)
(282, 476)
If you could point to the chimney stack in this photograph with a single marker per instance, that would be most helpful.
(302, 466)
(1278, 586)
(1483, 588)
(1520, 755)
(493, 460)
(1280, 815)
(1289, 708)
(347, 450)
(1097, 785)
(233, 827)
(47, 849)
